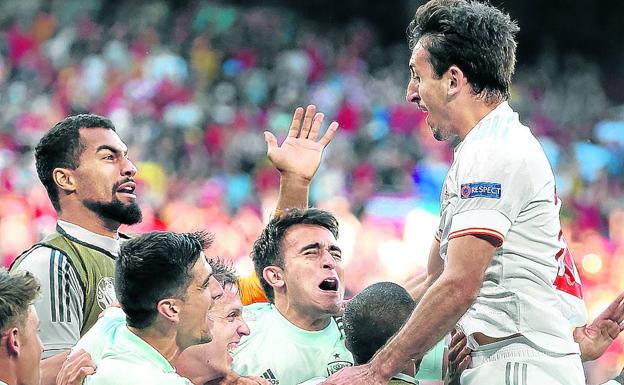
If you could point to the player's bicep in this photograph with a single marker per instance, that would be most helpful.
(468, 258)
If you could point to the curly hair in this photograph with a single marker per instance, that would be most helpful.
(267, 250)
(373, 316)
(476, 37)
(61, 147)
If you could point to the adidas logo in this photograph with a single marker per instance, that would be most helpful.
(269, 376)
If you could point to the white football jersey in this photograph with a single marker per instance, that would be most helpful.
(501, 185)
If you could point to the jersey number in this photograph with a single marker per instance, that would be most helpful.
(568, 279)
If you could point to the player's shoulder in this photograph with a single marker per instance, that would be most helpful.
(109, 370)
(40, 260)
(257, 311)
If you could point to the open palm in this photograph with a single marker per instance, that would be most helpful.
(300, 153)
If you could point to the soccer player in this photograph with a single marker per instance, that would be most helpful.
(165, 287)
(296, 336)
(85, 169)
(208, 362)
(500, 266)
(20, 346)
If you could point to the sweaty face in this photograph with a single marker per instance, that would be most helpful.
(195, 323)
(428, 92)
(105, 177)
(313, 273)
(30, 352)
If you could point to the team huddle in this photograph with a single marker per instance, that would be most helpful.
(500, 302)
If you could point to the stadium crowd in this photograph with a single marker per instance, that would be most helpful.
(190, 90)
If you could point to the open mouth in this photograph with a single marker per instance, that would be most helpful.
(329, 284)
(127, 188)
(231, 347)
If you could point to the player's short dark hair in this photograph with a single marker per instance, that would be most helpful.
(155, 266)
(373, 316)
(224, 272)
(267, 250)
(18, 290)
(61, 147)
(476, 37)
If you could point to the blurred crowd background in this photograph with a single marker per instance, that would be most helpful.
(191, 86)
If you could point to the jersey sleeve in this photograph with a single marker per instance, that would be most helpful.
(493, 184)
(60, 306)
(99, 336)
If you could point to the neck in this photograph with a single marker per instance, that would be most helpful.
(7, 373)
(307, 320)
(79, 215)
(471, 113)
(161, 339)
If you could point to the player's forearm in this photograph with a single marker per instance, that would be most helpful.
(417, 286)
(50, 367)
(437, 313)
(294, 190)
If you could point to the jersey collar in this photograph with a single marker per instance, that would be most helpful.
(103, 242)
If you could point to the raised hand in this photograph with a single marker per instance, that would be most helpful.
(300, 153)
(596, 337)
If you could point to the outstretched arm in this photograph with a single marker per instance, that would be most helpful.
(418, 285)
(299, 156)
(441, 307)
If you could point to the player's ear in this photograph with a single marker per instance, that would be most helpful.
(64, 179)
(12, 342)
(169, 308)
(456, 80)
(274, 275)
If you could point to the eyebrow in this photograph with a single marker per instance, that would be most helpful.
(111, 149)
(317, 245)
(206, 280)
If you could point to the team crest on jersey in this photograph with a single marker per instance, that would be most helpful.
(480, 190)
(105, 292)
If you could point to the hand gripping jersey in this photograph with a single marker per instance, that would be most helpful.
(500, 185)
(284, 354)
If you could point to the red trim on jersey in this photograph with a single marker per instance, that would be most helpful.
(479, 231)
(438, 237)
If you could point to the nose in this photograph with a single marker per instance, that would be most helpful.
(328, 260)
(129, 169)
(243, 329)
(411, 94)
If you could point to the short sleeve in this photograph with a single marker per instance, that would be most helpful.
(60, 306)
(493, 184)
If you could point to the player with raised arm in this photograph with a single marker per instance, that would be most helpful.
(84, 166)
